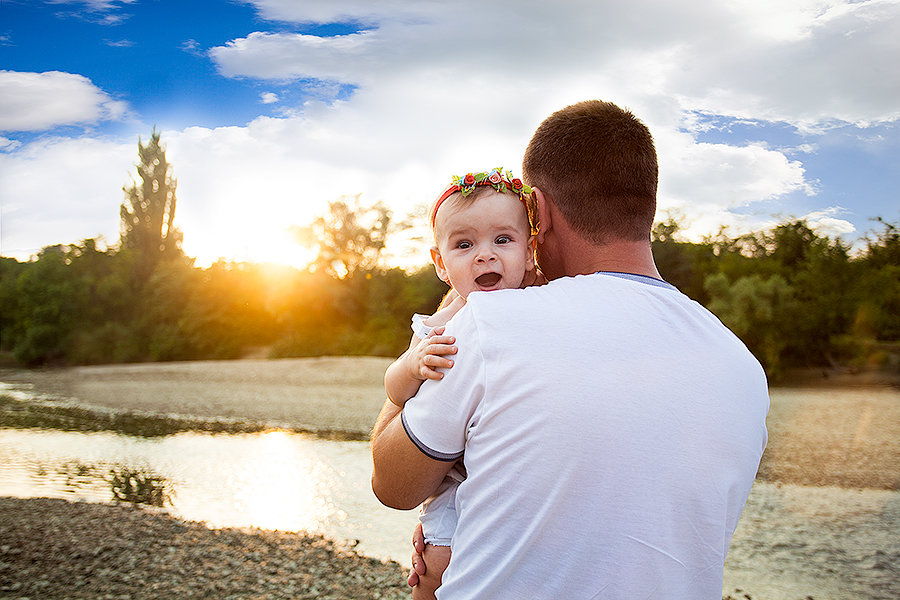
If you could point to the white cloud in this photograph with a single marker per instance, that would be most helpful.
(826, 222)
(806, 62)
(102, 12)
(426, 90)
(442, 88)
(331, 11)
(61, 190)
(39, 101)
(191, 46)
(840, 66)
(283, 56)
(7, 144)
(95, 5)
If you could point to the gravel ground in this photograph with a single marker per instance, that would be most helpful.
(53, 549)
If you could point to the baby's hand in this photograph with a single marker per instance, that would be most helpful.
(451, 305)
(430, 354)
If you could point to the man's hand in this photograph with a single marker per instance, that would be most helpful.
(418, 562)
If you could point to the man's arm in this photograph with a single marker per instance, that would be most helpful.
(402, 476)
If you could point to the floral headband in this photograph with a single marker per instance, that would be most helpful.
(466, 185)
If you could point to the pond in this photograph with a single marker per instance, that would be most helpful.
(271, 480)
(797, 537)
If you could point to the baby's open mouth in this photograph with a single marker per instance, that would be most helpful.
(488, 279)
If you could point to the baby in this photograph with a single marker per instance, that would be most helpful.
(484, 228)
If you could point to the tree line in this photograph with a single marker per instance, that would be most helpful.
(795, 297)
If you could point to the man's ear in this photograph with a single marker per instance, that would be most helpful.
(543, 212)
(439, 267)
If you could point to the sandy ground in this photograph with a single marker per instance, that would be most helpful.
(849, 440)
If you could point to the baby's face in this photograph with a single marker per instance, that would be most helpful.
(484, 244)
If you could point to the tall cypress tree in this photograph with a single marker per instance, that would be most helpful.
(148, 213)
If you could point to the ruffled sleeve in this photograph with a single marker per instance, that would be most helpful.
(419, 327)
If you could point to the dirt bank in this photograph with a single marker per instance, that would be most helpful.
(331, 394)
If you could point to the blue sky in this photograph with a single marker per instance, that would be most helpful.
(149, 54)
(271, 108)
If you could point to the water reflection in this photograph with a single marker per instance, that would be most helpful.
(272, 480)
(122, 484)
(278, 483)
(138, 486)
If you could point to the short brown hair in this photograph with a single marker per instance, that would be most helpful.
(598, 164)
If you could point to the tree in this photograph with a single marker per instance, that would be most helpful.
(48, 299)
(755, 309)
(351, 237)
(148, 213)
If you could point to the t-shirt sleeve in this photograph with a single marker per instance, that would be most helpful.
(437, 418)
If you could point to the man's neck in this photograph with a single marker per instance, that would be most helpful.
(619, 256)
(565, 252)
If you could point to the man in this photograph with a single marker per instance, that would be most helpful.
(611, 427)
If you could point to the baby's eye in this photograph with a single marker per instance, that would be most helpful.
(503, 239)
(464, 244)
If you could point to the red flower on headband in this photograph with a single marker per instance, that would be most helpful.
(495, 178)
(469, 180)
(517, 184)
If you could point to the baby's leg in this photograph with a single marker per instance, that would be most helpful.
(436, 560)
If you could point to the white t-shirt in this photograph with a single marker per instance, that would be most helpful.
(612, 428)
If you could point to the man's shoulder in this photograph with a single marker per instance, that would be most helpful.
(567, 286)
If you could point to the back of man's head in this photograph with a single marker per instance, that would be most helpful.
(598, 164)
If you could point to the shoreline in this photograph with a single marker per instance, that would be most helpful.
(847, 440)
(52, 549)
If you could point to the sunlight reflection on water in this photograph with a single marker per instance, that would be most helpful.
(272, 480)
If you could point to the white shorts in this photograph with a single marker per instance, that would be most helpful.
(438, 514)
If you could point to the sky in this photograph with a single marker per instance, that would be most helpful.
(762, 110)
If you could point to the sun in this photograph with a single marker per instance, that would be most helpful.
(258, 244)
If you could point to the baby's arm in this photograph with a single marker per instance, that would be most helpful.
(420, 361)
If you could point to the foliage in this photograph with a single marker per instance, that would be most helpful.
(796, 298)
(754, 308)
(350, 237)
(148, 213)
